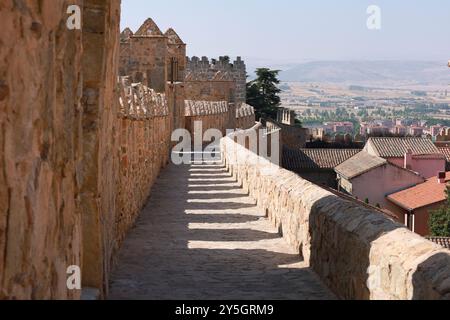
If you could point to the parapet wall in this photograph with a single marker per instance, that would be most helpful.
(218, 115)
(357, 252)
(211, 114)
(143, 139)
(292, 136)
(245, 116)
(138, 101)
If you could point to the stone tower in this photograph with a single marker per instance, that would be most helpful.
(144, 55)
(236, 72)
(176, 61)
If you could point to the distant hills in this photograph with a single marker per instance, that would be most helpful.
(369, 72)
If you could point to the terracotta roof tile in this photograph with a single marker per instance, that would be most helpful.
(424, 194)
(359, 164)
(304, 159)
(393, 147)
(446, 152)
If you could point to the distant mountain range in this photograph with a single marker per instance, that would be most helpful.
(369, 72)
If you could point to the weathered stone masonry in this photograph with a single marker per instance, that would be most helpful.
(79, 151)
(40, 149)
(143, 139)
(216, 79)
(245, 117)
(77, 165)
(57, 122)
(358, 253)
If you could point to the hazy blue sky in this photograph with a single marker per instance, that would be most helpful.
(296, 30)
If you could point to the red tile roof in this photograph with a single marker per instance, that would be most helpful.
(422, 195)
(315, 158)
(446, 152)
(359, 164)
(394, 147)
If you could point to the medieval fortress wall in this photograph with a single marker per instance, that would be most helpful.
(158, 60)
(80, 151)
(143, 140)
(57, 101)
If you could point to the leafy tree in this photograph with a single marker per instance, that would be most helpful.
(439, 221)
(262, 93)
(298, 123)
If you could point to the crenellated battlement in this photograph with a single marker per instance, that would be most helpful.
(138, 101)
(204, 108)
(222, 69)
(245, 110)
(222, 64)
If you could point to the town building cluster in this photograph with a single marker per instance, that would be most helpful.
(404, 127)
(404, 177)
(346, 131)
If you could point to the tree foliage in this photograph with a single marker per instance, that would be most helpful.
(262, 93)
(439, 221)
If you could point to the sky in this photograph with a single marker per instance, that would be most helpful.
(293, 31)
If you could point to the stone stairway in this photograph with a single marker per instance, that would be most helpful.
(201, 237)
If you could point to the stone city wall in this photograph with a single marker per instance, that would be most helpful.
(212, 115)
(40, 123)
(207, 90)
(56, 120)
(357, 252)
(143, 140)
(78, 161)
(218, 115)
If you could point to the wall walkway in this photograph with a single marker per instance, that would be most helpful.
(201, 237)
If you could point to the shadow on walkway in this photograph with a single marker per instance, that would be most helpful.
(201, 237)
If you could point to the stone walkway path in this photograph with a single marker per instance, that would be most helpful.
(201, 237)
